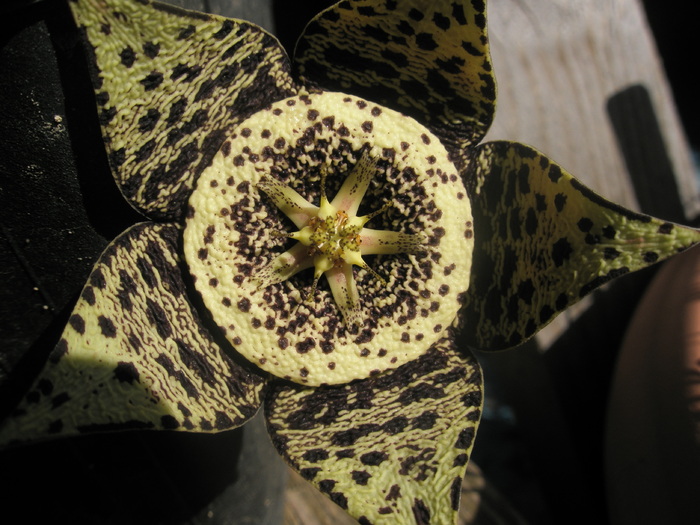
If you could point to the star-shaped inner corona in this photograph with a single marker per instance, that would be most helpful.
(396, 198)
(333, 237)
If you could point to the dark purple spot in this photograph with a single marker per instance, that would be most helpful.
(304, 346)
(244, 305)
(127, 56)
(360, 476)
(107, 326)
(373, 458)
(152, 80)
(421, 513)
(126, 373)
(77, 323)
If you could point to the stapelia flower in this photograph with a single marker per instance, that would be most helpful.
(338, 229)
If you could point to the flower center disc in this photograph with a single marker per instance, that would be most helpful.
(324, 290)
(332, 236)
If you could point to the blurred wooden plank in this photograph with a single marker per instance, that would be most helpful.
(259, 11)
(304, 504)
(558, 63)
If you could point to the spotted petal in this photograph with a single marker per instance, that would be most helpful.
(390, 449)
(427, 59)
(543, 241)
(169, 85)
(135, 354)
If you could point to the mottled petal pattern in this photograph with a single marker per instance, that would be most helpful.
(390, 449)
(135, 354)
(170, 85)
(544, 241)
(428, 60)
(354, 323)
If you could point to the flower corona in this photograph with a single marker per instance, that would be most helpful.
(335, 237)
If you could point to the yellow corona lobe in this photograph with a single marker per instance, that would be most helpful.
(334, 237)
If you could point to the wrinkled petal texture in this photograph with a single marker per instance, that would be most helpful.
(428, 60)
(390, 449)
(544, 241)
(233, 234)
(135, 354)
(170, 85)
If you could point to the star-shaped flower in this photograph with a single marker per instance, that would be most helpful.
(366, 390)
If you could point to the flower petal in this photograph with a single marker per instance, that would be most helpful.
(233, 234)
(543, 241)
(288, 201)
(389, 449)
(135, 354)
(353, 189)
(427, 59)
(383, 242)
(284, 266)
(169, 85)
(344, 290)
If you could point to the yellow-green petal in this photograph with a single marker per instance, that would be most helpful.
(347, 299)
(428, 59)
(384, 242)
(288, 201)
(390, 449)
(351, 193)
(170, 84)
(543, 241)
(135, 354)
(284, 266)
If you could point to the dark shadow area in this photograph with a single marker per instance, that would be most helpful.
(59, 207)
(107, 210)
(129, 477)
(639, 139)
(291, 19)
(48, 240)
(674, 31)
(546, 457)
